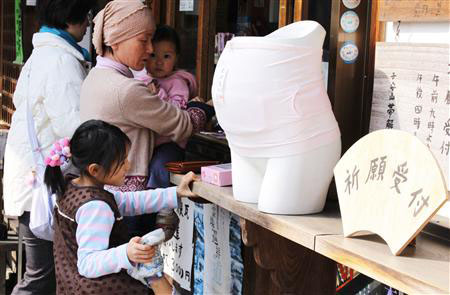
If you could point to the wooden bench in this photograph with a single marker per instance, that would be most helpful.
(292, 246)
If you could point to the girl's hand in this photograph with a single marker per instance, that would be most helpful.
(139, 253)
(183, 189)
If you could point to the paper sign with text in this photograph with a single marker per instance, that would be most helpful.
(186, 5)
(178, 251)
(389, 184)
(217, 274)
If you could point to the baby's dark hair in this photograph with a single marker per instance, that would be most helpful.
(94, 141)
(167, 33)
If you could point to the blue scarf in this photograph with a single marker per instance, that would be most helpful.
(66, 36)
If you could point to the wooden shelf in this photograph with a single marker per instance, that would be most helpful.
(299, 229)
(424, 269)
(420, 270)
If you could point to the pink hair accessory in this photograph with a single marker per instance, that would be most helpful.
(59, 154)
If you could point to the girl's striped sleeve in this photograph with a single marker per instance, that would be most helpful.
(95, 220)
(147, 201)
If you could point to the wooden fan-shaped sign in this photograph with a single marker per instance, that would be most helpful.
(389, 184)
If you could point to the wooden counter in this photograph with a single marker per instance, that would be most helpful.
(424, 269)
(299, 229)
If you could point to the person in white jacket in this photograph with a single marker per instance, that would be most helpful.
(50, 81)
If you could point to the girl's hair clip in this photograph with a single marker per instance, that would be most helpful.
(59, 154)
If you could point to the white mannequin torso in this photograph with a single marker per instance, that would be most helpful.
(304, 33)
(281, 184)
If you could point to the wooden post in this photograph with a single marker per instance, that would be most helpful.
(298, 10)
(293, 269)
(155, 6)
(349, 84)
(376, 32)
(301, 10)
(2, 19)
(285, 13)
(205, 46)
(171, 7)
(211, 37)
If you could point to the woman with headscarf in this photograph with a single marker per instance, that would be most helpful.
(122, 39)
(49, 85)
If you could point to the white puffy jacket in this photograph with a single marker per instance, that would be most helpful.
(57, 72)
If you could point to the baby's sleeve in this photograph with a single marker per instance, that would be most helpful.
(178, 93)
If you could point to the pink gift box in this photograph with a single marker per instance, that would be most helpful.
(217, 174)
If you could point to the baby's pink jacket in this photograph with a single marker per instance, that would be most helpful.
(175, 89)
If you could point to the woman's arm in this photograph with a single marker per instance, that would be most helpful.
(148, 201)
(140, 108)
(95, 220)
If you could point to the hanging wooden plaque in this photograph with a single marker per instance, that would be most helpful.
(389, 184)
(414, 10)
(412, 93)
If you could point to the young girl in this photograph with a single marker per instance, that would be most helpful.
(91, 245)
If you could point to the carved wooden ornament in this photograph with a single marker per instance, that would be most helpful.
(389, 184)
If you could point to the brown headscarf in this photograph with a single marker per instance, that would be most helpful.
(120, 20)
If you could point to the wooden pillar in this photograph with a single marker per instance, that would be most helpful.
(292, 269)
(376, 31)
(301, 10)
(155, 6)
(286, 13)
(171, 7)
(2, 18)
(350, 85)
(205, 46)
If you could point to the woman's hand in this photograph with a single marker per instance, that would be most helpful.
(198, 98)
(183, 189)
(153, 87)
(139, 253)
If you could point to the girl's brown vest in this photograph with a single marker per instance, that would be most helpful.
(65, 247)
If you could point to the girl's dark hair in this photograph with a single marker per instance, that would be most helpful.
(58, 13)
(96, 142)
(166, 33)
